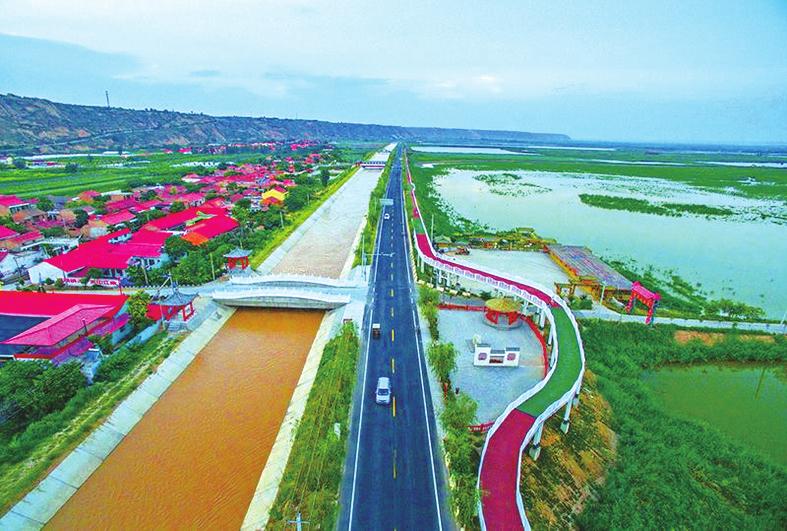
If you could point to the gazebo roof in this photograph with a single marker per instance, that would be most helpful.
(237, 253)
(177, 299)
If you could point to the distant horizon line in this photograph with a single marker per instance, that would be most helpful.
(571, 140)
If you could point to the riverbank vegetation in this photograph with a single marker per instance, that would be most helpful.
(631, 204)
(48, 410)
(509, 184)
(670, 472)
(680, 298)
(310, 483)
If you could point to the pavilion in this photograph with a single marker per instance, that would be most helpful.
(237, 258)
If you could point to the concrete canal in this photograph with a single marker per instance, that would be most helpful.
(194, 459)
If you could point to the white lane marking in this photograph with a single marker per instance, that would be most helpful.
(363, 391)
(423, 390)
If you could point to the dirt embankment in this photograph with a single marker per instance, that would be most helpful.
(572, 466)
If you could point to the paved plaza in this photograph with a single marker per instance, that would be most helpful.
(492, 387)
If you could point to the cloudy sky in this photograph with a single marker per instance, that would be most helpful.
(682, 71)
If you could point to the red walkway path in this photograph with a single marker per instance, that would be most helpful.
(500, 473)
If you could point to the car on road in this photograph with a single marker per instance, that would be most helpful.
(382, 395)
(376, 330)
(387, 216)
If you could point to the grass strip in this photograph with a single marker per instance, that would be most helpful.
(311, 479)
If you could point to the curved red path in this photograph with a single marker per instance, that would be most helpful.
(500, 473)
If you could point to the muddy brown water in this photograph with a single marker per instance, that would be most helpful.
(195, 458)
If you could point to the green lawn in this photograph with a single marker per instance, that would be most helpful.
(569, 363)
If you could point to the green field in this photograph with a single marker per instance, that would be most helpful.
(161, 169)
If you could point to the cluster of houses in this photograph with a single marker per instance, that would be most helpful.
(113, 232)
(105, 234)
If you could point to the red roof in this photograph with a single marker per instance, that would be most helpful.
(179, 218)
(121, 204)
(102, 254)
(157, 237)
(31, 236)
(11, 200)
(35, 304)
(147, 205)
(5, 232)
(60, 326)
(209, 228)
(118, 217)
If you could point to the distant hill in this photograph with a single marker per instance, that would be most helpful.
(38, 125)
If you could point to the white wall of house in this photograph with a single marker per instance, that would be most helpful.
(25, 259)
(40, 272)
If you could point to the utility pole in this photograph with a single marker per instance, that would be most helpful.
(281, 219)
(363, 254)
(212, 270)
(106, 93)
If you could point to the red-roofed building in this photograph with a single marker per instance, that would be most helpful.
(56, 326)
(123, 216)
(11, 204)
(6, 233)
(209, 228)
(122, 204)
(21, 241)
(112, 254)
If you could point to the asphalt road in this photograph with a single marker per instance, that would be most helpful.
(394, 477)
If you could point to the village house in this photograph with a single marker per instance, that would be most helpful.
(56, 327)
(110, 255)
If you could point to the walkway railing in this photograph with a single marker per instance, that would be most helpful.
(546, 301)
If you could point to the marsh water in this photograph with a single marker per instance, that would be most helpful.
(194, 460)
(743, 257)
(748, 402)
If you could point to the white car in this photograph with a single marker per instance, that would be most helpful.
(382, 395)
(387, 216)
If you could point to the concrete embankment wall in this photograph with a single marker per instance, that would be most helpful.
(41, 504)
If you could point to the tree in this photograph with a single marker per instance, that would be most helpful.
(325, 176)
(442, 358)
(80, 218)
(177, 206)
(72, 167)
(102, 342)
(46, 204)
(241, 215)
(296, 198)
(147, 195)
(16, 377)
(138, 309)
(459, 413)
(55, 386)
(92, 273)
(176, 247)
(20, 164)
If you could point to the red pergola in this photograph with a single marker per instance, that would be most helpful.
(237, 258)
(169, 306)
